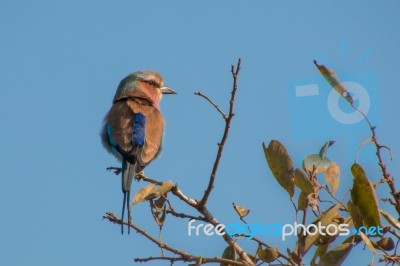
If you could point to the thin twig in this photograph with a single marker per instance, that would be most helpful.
(141, 176)
(193, 259)
(184, 215)
(333, 197)
(386, 175)
(235, 73)
(114, 219)
(212, 103)
(181, 214)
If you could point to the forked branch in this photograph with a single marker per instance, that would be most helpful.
(228, 119)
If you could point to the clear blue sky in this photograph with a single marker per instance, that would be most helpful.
(61, 61)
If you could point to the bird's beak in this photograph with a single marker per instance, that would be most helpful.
(167, 90)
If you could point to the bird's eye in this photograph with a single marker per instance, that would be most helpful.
(152, 83)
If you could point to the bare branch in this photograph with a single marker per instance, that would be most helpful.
(235, 73)
(204, 260)
(141, 176)
(177, 192)
(114, 219)
(184, 215)
(386, 175)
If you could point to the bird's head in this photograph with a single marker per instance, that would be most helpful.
(147, 84)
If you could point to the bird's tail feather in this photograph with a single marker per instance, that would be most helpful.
(128, 172)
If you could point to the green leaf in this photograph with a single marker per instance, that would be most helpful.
(314, 163)
(269, 254)
(337, 255)
(364, 197)
(280, 164)
(324, 148)
(302, 181)
(355, 215)
(333, 80)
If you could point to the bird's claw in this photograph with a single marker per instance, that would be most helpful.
(139, 175)
(116, 170)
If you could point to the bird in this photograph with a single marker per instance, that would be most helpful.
(133, 127)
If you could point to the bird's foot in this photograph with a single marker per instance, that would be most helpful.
(116, 170)
(139, 176)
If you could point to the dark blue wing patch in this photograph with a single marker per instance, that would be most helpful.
(139, 124)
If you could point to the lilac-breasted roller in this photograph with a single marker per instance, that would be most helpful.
(133, 128)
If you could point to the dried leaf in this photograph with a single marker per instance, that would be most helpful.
(145, 193)
(330, 236)
(390, 219)
(294, 256)
(385, 243)
(325, 218)
(242, 211)
(159, 203)
(313, 201)
(165, 187)
(367, 241)
(319, 253)
(364, 197)
(158, 210)
(269, 254)
(333, 80)
(229, 253)
(280, 164)
(302, 181)
(337, 255)
(332, 177)
(152, 191)
(160, 217)
(302, 202)
(314, 163)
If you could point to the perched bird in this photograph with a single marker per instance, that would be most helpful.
(133, 127)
